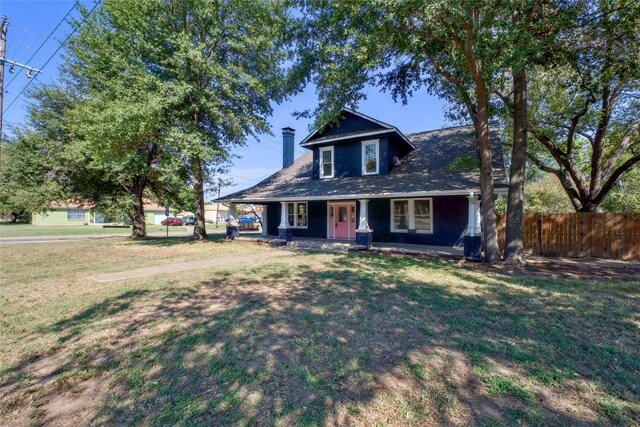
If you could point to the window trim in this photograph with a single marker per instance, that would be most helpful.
(76, 211)
(363, 150)
(333, 162)
(295, 215)
(411, 214)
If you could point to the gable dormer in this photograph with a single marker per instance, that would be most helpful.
(355, 145)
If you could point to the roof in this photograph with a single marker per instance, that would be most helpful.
(430, 169)
(374, 127)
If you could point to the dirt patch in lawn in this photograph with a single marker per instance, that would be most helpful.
(537, 266)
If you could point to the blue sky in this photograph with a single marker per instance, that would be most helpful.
(30, 22)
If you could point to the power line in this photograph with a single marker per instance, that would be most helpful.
(40, 47)
(242, 177)
(54, 54)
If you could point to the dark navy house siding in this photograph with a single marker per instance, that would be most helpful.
(348, 158)
(449, 221)
(317, 212)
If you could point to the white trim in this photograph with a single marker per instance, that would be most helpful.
(259, 200)
(363, 116)
(349, 136)
(364, 145)
(363, 226)
(474, 216)
(333, 162)
(285, 217)
(411, 216)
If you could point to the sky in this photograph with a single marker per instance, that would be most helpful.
(31, 22)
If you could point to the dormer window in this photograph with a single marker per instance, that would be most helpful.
(326, 162)
(370, 157)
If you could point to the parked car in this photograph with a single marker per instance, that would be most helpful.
(189, 220)
(171, 221)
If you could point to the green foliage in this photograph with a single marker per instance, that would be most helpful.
(584, 111)
(546, 195)
(625, 196)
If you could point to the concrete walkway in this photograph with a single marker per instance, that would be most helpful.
(338, 245)
(78, 237)
(191, 265)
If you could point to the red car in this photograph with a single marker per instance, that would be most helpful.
(171, 221)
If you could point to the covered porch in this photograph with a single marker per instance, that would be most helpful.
(444, 223)
(343, 245)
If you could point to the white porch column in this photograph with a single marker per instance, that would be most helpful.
(473, 223)
(283, 215)
(473, 234)
(284, 232)
(364, 233)
(363, 226)
(264, 220)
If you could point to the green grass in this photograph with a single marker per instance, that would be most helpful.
(308, 339)
(27, 230)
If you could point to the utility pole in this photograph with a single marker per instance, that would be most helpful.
(218, 206)
(3, 48)
(14, 64)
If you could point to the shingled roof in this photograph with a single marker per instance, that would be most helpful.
(435, 167)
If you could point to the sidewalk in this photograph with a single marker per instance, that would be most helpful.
(77, 237)
(191, 265)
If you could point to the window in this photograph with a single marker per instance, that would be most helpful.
(370, 155)
(75, 214)
(411, 215)
(297, 215)
(400, 215)
(326, 162)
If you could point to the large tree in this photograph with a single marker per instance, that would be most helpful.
(224, 60)
(448, 48)
(167, 88)
(585, 114)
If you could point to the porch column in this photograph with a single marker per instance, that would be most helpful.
(233, 230)
(363, 233)
(264, 220)
(284, 232)
(473, 233)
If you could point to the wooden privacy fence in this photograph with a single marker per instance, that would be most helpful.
(578, 235)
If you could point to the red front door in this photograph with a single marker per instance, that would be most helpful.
(342, 219)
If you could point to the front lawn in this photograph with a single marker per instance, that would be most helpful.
(27, 230)
(308, 339)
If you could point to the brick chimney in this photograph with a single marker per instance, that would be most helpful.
(288, 134)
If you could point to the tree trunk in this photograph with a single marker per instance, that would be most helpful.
(15, 216)
(199, 227)
(488, 208)
(136, 215)
(513, 249)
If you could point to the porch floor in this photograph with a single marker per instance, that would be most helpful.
(345, 245)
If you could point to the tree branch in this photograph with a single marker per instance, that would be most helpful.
(574, 197)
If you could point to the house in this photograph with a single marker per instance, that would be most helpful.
(363, 180)
(82, 213)
(215, 210)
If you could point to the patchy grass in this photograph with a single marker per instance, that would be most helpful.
(310, 339)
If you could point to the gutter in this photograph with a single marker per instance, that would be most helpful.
(260, 200)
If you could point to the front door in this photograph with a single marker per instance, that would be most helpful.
(342, 217)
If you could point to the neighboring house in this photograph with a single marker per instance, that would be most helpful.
(215, 210)
(83, 213)
(363, 180)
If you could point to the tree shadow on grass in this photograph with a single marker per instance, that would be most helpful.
(352, 339)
